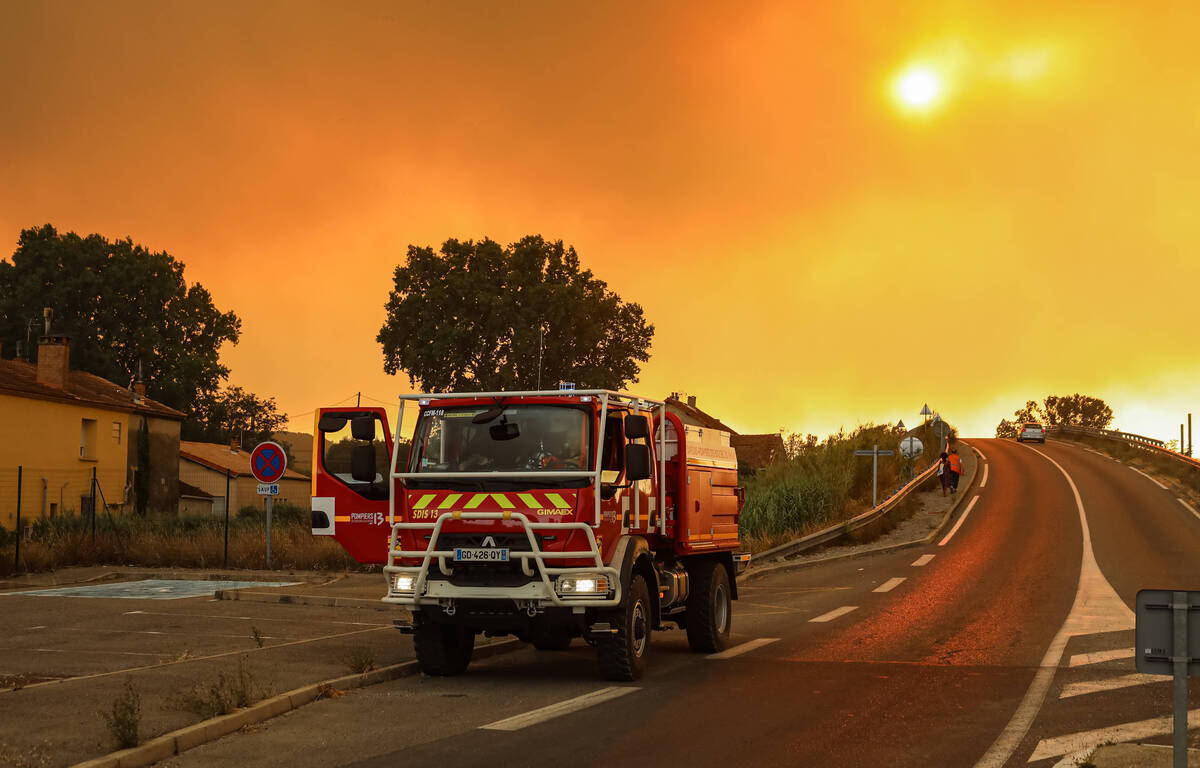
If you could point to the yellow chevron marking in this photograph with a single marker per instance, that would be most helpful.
(529, 499)
(476, 500)
(424, 501)
(557, 501)
(503, 500)
(450, 501)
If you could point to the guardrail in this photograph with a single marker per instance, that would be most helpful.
(1147, 444)
(835, 532)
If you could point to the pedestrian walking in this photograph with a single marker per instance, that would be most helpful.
(944, 471)
(954, 464)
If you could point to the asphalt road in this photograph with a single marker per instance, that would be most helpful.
(1008, 644)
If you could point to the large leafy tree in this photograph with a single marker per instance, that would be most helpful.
(468, 318)
(121, 305)
(233, 414)
(1075, 410)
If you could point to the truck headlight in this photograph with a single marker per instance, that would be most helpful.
(584, 584)
(404, 582)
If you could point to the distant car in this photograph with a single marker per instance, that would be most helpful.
(1031, 431)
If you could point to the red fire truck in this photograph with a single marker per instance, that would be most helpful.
(546, 515)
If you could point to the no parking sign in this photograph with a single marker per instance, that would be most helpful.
(268, 462)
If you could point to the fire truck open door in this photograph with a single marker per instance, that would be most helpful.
(351, 466)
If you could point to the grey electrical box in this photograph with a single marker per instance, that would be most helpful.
(1156, 651)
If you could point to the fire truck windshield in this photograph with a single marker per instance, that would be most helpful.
(523, 438)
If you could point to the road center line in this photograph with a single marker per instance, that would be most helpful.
(1097, 657)
(889, 585)
(517, 722)
(983, 482)
(1097, 608)
(922, 560)
(738, 650)
(835, 613)
(1151, 479)
(962, 519)
(1189, 508)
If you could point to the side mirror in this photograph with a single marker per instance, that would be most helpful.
(362, 427)
(362, 463)
(637, 427)
(331, 422)
(637, 462)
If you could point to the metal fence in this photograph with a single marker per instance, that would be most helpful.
(1141, 442)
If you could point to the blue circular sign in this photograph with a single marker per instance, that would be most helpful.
(268, 462)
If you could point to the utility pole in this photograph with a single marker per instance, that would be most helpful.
(359, 403)
(541, 333)
(226, 519)
(1189, 434)
(17, 558)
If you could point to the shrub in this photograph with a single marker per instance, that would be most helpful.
(125, 718)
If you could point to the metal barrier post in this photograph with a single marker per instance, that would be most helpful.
(17, 557)
(1179, 607)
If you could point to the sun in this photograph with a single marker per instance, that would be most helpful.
(919, 88)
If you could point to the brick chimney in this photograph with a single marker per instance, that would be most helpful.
(139, 386)
(54, 360)
(234, 445)
(691, 401)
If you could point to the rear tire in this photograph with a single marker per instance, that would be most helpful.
(443, 650)
(622, 656)
(709, 608)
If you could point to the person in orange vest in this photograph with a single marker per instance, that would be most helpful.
(955, 467)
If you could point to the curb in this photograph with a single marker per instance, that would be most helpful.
(179, 741)
(757, 573)
(324, 601)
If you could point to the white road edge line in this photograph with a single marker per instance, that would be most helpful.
(1097, 608)
(983, 482)
(517, 722)
(1098, 657)
(835, 613)
(981, 454)
(1085, 740)
(1189, 508)
(1151, 479)
(738, 650)
(1109, 684)
(889, 585)
(922, 560)
(962, 519)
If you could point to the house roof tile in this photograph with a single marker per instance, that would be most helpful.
(19, 378)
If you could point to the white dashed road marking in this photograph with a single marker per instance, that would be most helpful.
(1189, 508)
(738, 650)
(889, 585)
(961, 520)
(1096, 657)
(1086, 740)
(983, 482)
(1109, 684)
(517, 722)
(835, 613)
(922, 560)
(1151, 479)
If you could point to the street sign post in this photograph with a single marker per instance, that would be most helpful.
(875, 454)
(1168, 643)
(911, 449)
(268, 462)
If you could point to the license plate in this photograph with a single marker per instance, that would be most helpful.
(481, 555)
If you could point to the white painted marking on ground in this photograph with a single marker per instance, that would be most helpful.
(1084, 740)
(889, 585)
(961, 520)
(1097, 608)
(1189, 508)
(922, 560)
(835, 613)
(1110, 684)
(517, 722)
(981, 454)
(1151, 479)
(1075, 759)
(983, 482)
(738, 650)
(1097, 657)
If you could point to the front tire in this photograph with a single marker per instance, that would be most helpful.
(709, 608)
(622, 656)
(443, 650)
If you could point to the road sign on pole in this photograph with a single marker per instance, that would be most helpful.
(268, 462)
(1168, 643)
(875, 454)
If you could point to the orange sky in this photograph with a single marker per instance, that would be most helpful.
(812, 253)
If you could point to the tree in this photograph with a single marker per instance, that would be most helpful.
(1075, 410)
(468, 318)
(1006, 428)
(121, 305)
(233, 414)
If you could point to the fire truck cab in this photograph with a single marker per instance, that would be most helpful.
(548, 515)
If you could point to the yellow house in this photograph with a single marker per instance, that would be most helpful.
(64, 427)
